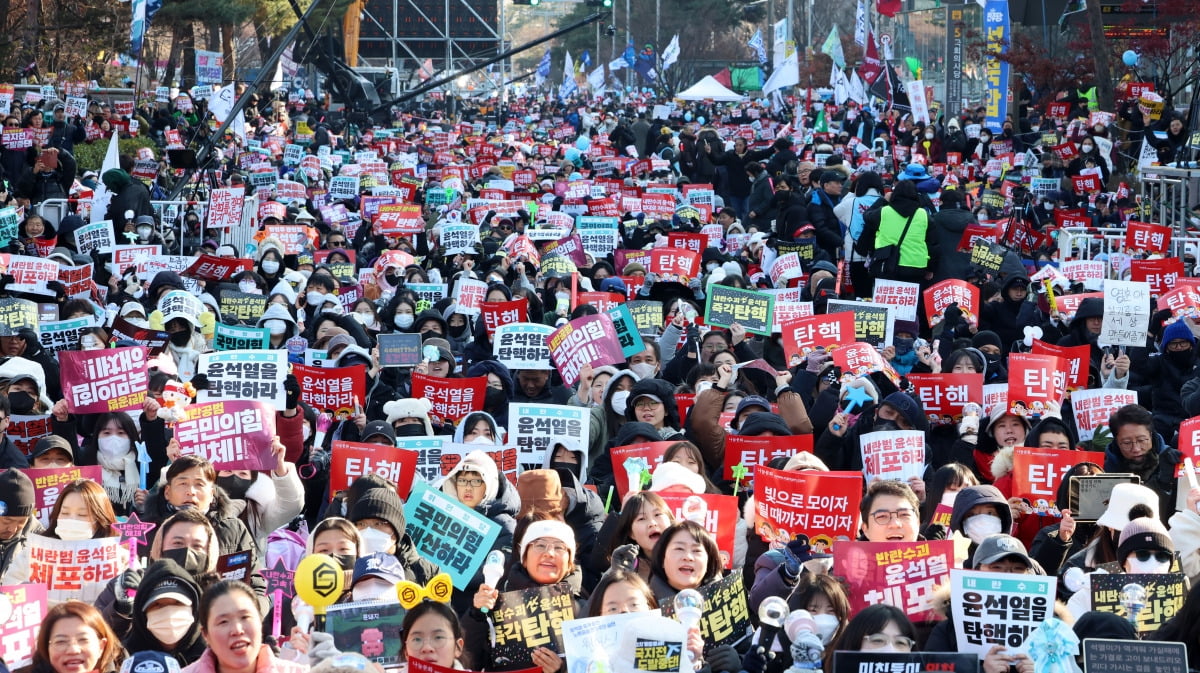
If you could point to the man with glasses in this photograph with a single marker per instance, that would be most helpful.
(890, 512)
(1138, 449)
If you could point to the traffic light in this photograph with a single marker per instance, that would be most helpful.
(598, 3)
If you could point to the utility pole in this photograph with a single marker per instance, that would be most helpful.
(1104, 86)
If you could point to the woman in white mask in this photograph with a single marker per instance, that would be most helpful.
(943, 489)
(980, 511)
(82, 512)
(825, 599)
(114, 449)
(1145, 547)
(379, 517)
(164, 614)
(877, 628)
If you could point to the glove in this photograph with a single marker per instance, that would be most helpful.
(625, 557)
(723, 659)
(125, 588)
(291, 389)
(953, 316)
(322, 648)
(968, 426)
(816, 362)
(693, 338)
(755, 660)
(1167, 462)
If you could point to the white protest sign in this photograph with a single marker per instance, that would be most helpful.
(893, 454)
(1126, 313)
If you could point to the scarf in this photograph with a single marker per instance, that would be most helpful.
(121, 476)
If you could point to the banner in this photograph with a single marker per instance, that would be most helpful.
(1092, 409)
(451, 398)
(24, 431)
(1037, 474)
(238, 337)
(1034, 381)
(873, 323)
(233, 435)
(996, 74)
(523, 346)
(1162, 274)
(245, 375)
(1161, 597)
(1102, 654)
(592, 642)
(821, 505)
(528, 619)
(911, 662)
(372, 628)
(587, 340)
(351, 460)
(897, 455)
(726, 618)
(1126, 313)
(342, 390)
(96, 382)
(748, 308)
(903, 296)
(626, 461)
(537, 428)
(992, 609)
(901, 574)
(943, 396)
(804, 335)
(953, 291)
(19, 631)
(499, 313)
(448, 533)
(48, 483)
(75, 569)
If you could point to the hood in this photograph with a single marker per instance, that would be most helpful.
(630, 431)
(909, 408)
(469, 421)
(21, 366)
(476, 461)
(431, 314)
(1050, 424)
(1014, 279)
(764, 421)
(904, 206)
(610, 387)
(165, 279)
(1092, 307)
(160, 572)
(485, 367)
(279, 312)
(659, 388)
(980, 495)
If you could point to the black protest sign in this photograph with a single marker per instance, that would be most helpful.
(647, 315)
(729, 305)
(399, 350)
(908, 662)
(528, 619)
(1101, 655)
(987, 256)
(873, 323)
(1152, 598)
(726, 613)
(244, 306)
(17, 314)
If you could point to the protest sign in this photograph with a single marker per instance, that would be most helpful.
(351, 460)
(868, 661)
(95, 236)
(873, 323)
(944, 395)
(75, 569)
(113, 379)
(468, 295)
(1089, 272)
(901, 574)
(1126, 313)
(448, 533)
(211, 267)
(1182, 301)
(77, 280)
(859, 359)
(498, 313)
(1088, 497)
(232, 435)
(246, 307)
(522, 346)
(415, 665)
(18, 633)
(1161, 274)
(24, 431)
(750, 452)
(459, 238)
(726, 618)
(30, 274)
(535, 429)
(225, 208)
(1092, 409)
(1159, 599)
(452, 453)
(372, 628)
(1035, 382)
(1037, 474)
(953, 291)
(17, 314)
(594, 640)
(674, 264)
(1101, 655)
(48, 483)
(716, 513)
(1147, 238)
(125, 256)
(802, 336)
(342, 390)
(789, 310)
(1075, 360)
(992, 609)
(1068, 304)
(430, 292)
(245, 375)
(586, 340)
(903, 296)
(123, 330)
(987, 257)
(60, 335)
(527, 619)
(399, 350)
(628, 472)
(749, 308)
(821, 505)
(238, 337)
(627, 332)
(451, 398)
(893, 454)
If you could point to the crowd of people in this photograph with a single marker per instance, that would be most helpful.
(838, 185)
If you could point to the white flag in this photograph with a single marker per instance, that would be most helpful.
(862, 25)
(786, 75)
(671, 53)
(858, 92)
(841, 85)
(596, 80)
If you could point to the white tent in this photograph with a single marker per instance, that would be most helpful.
(709, 89)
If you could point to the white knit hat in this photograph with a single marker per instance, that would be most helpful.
(669, 474)
(551, 528)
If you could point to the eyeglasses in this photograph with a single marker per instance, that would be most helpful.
(83, 642)
(1144, 556)
(12, 126)
(548, 548)
(713, 348)
(881, 640)
(436, 641)
(473, 483)
(646, 404)
(884, 517)
(1136, 442)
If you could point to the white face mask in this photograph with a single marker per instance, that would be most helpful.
(170, 623)
(929, 136)
(138, 322)
(644, 370)
(372, 590)
(276, 327)
(375, 541)
(314, 298)
(482, 439)
(980, 526)
(364, 319)
(1150, 566)
(113, 446)
(270, 266)
(826, 626)
(74, 529)
(403, 320)
(249, 287)
(948, 498)
(1087, 148)
(619, 399)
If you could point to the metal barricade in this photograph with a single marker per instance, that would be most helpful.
(1171, 193)
(1088, 242)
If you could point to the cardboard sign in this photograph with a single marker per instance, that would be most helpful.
(351, 460)
(1037, 474)
(342, 390)
(750, 452)
(245, 375)
(19, 631)
(448, 533)
(517, 634)
(802, 336)
(821, 505)
(750, 309)
(873, 323)
(233, 435)
(1108, 656)
(1161, 597)
(75, 570)
(940, 296)
(944, 395)
(901, 574)
(451, 398)
(237, 337)
(997, 609)
(523, 346)
(536, 429)
(586, 340)
(1126, 313)
(1034, 381)
(716, 513)
(903, 296)
(113, 379)
(726, 616)
(1093, 408)
(897, 455)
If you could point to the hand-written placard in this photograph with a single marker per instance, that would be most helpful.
(1126, 313)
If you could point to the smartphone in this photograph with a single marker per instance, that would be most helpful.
(49, 160)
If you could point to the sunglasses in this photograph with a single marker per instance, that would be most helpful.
(1144, 556)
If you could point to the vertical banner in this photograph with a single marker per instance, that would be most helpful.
(234, 435)
(448, 533)
(901, 574)
(992, 609)
(997, 33)
(821, 505)
(113, 379)
(955, 49)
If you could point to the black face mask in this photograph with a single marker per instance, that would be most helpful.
(457, 330)
(882, 425)
(573, 468)
(346, 561)
(21, 402)
(1180, 359)
(193, 561)
(411, 430)
(235, 486)
(494, 401)
(181, 339)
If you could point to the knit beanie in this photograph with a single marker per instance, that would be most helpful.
(764, 421)
(551, 528)
(115, 179)
(1144, 533)
(16, 493)
(380, 503)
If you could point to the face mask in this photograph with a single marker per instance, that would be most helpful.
(949, 497)
(1035, 128)
(143, 233)
(139, 322)
(644, 370)
(112, 445)
(248, 286)
(193, 561)
(411, 430)
(346, 561)
(21, 402)
(903, 346)
(270, 266)
(1177, 358)
(929, 136)
(235, 486)
(826, 626)
(170, 623)
(314, 298)
(276, 327)
(980, 526)
(619, 399)
(1087, 148)
(364, 319)
(984, 138)
(1150, 566)
(371, 590)
(403, 320)
(375, 541)
(181, 339)
(74, 529)
(307, 273)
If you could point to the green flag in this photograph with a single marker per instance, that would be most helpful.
(914, 66)
(833, 47)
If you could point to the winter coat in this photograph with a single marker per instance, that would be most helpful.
(267, 663)
(948, 226)
(140, 639)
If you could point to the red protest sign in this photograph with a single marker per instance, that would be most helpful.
(397, 219)
(750, 452)
(1059, 110)
(858, 359)
(944, 395)
(1162, 274)
(499, 313)
(1085, 184)
(1066, 151)
(351, 460)
(211, 267)
(1072, 217)
(674, 264)
(341, 390)
(717, 513)
(1147, 237)
(658, 206)
(975, 233)
(233, 435)
(802, 336)
(939, 297)
(451, 398)
(1076, 359)
(113, 379)
(901, 574)
(821, 505)
(1182, 301)
(1068, 304)
(652, 453)
(587, 340)
(1034, 382)
(19, 633)
(1037, 473)
(603, 301)
(693, 242)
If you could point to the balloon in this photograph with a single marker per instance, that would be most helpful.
(687, 116)
(1130, 57)
(583, 143)
(572, 155)
(319, 581)
(700, 120)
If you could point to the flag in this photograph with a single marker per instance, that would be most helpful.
(862, 24)
(646, 69)
(596, 80)
(840, 85)
(833, 47)
(871, 66)
(746, 79)
(756, 43)
(914, 66)
(617, 64)
(426, 70)
(887, 8)
(585, 62)
(724, 78)
(137, 27)
(568, 86)
(101, 197)
(821, 125)
(630, 54)
(671, 53)
(787, 74)
(858, 92)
